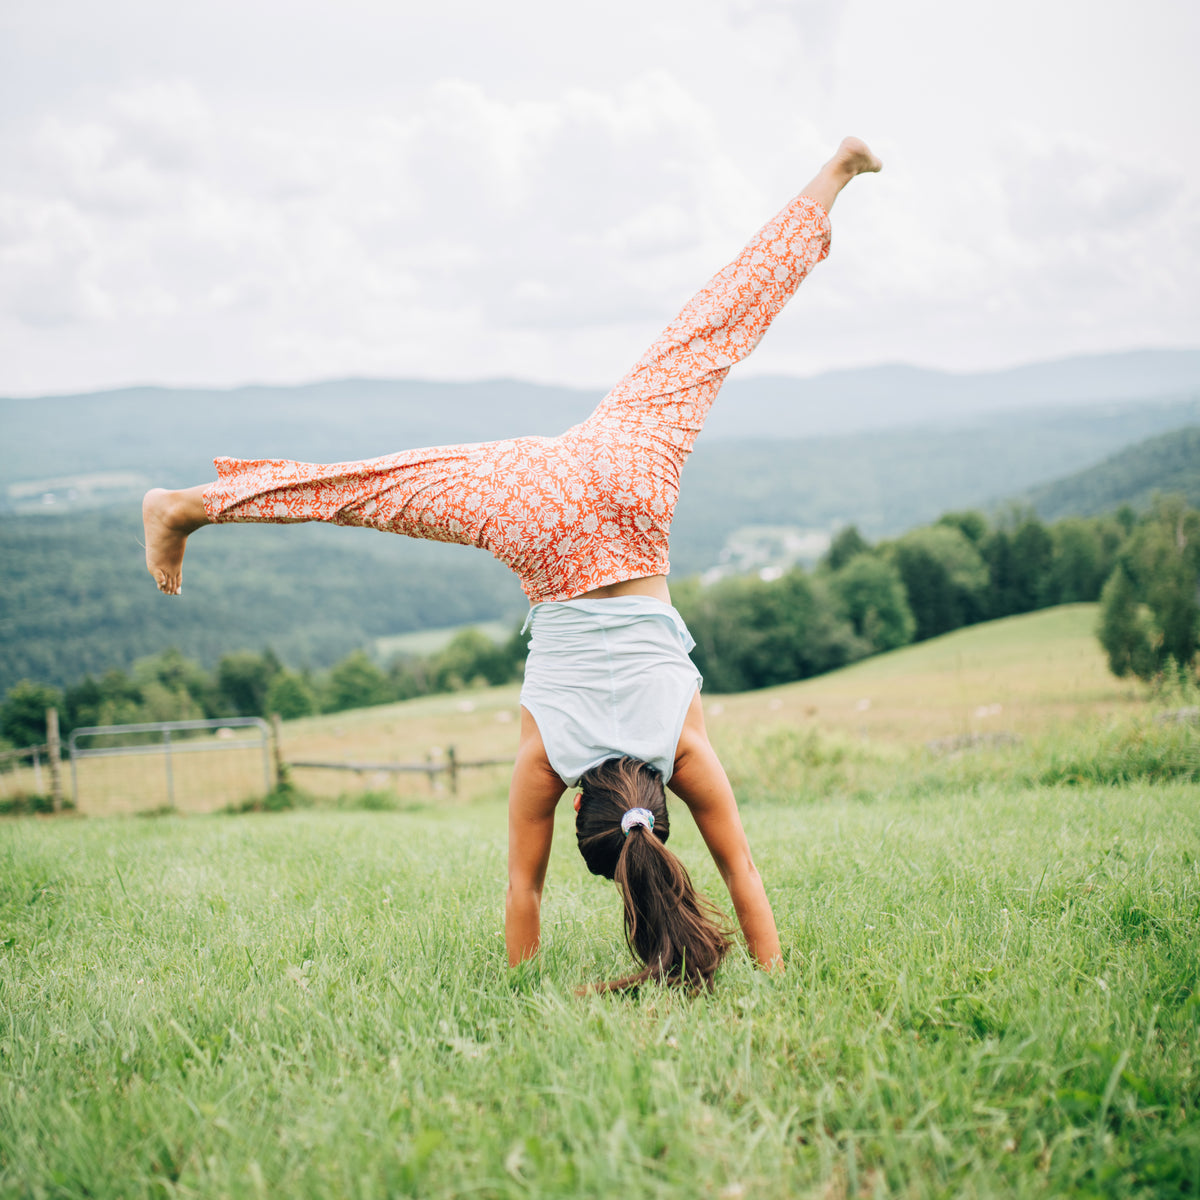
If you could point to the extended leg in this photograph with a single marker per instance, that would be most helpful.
(437, 493)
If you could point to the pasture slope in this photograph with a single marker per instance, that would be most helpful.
(992, 982)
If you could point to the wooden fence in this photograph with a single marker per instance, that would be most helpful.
(451, 765)
(51, 750)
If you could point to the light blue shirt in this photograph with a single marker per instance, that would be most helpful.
(607, 678)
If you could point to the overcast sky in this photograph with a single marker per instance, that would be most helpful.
(261, 190)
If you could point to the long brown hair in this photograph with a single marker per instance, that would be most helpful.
(675, 933)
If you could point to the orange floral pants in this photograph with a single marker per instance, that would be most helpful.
(571, 513)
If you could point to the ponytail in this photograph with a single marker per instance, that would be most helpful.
(676, 935)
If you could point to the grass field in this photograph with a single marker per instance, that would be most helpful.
(992, 983)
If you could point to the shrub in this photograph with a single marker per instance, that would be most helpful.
(870, 595)
(944, 577)
(23, 713)
(290, 696)
(356, 682)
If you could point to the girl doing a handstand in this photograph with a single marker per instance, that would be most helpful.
(610, 699)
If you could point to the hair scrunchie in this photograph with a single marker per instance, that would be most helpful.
(635, 817)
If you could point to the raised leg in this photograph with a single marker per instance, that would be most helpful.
(669, 391)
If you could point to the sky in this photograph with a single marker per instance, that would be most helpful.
(268, 191)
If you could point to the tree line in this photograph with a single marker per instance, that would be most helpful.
(750, 632)
(864, 599)
(171, 687)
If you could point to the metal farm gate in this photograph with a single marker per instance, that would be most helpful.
(177, 742)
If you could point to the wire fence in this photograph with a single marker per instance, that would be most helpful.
(200, 766)
(188, 766)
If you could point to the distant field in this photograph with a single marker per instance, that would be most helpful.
(1022, 674)
(430, 641)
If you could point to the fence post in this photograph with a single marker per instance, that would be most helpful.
(166, 734)
(281, 771)
(55, 754)
(452, 767)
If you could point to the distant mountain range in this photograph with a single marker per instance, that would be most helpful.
(171, 435)
(885, 397)
(74, 596)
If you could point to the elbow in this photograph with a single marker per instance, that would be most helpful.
(740, 872)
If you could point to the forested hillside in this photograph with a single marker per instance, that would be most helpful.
(74, 597)
(1167, 463)
(170, 435)
(888, 481)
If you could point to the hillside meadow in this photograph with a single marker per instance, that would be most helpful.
(1028, 679)
(990, 989)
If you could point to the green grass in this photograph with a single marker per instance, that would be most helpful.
(990, 992)
(992, 984)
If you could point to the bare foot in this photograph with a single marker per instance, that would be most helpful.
(854, 157)
(168, 518)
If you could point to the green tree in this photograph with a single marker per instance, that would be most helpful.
(1079, 563)
(243, 679)
(83, 703)
(23, 713)
(121, 702)
(1126, 517)
(997, 555)
(848, 543)
(871, 596)
(161, 703)
(1033, 551)
(1163, 556)
(356, 682)
(1018, 560)
(180, 676)
(409, 677)
(1126, 630)
(471, 658)
(971, 524)
(944, 578)
(751, 634)
(290, 696)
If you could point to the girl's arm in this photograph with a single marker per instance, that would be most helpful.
(533, 796)
(700, 782)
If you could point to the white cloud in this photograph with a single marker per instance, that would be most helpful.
(483, 193)
(587, 208)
